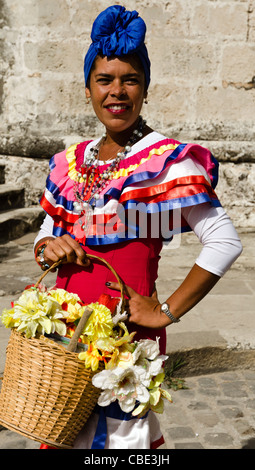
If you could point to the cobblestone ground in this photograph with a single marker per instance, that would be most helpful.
(217, 411)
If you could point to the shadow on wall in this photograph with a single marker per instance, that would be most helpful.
(250, 444)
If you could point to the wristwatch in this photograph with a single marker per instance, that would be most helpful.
(165, 309)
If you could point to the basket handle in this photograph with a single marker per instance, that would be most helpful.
(79, 329)
(88, 311)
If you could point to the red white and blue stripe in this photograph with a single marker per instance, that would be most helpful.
(158, 178)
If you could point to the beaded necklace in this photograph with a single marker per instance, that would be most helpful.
(90, 182)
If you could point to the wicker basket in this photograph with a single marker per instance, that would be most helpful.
(47, 394)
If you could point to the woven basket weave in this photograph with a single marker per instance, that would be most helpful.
(47, 394)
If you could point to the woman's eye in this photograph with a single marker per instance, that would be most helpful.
(128, 81)
(132, 81)
(103, 81)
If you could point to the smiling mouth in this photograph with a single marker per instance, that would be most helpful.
(117, 108)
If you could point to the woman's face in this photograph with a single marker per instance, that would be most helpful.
(117, 91)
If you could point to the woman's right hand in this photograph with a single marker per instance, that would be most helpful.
(67, 249)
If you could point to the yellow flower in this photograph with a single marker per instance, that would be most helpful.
(114, 348)
(74, 312)
(70, 302)
(34, 312)
(91, 357)
(8, 320)
(99, 324)
(62, 296)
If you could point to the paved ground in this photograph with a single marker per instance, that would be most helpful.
(216, 343)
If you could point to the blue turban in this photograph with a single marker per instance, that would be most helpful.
(117, 32)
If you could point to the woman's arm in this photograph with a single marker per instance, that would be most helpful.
(221, 247)
(193, 289)
(146, 311)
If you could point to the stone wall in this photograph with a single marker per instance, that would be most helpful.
(202, 88)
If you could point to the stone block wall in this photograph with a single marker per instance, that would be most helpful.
(202, 89)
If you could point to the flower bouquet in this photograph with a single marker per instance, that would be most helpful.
(119, 367)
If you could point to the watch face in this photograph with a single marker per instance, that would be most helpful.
(164, 307)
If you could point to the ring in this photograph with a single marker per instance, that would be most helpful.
(42, 261)
(39, 255)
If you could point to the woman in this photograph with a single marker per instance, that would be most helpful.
(97, 191)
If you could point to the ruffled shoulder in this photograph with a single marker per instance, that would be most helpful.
(65, 165)
(164, 161)
(162, 176)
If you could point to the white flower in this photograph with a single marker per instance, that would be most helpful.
(130, 380)
(105, 398)
(107, 378)
(156, 365)
(143, 395)
(146, 348)
(120, 384)
(143, 373)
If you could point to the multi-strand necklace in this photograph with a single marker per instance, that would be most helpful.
(90, 182)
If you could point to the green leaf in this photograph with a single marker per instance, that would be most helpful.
(141, 410)
(155, 397)
(166, 395)
(159, 379)
(159, 408)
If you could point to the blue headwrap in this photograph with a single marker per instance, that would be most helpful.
(117, 32)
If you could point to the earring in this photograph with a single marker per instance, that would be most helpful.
(145, 101)
(87, 100)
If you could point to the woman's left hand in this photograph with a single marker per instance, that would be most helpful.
(142, 310)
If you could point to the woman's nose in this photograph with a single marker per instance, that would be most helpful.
(117, 88)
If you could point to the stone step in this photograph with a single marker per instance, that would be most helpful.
(2, 173)
(11, 197)
(18, 222)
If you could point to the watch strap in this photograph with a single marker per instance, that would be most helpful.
(166, 310)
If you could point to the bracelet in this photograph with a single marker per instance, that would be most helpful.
(39, 258)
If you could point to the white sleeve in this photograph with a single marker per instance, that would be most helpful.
(214, 229)
(46, 229)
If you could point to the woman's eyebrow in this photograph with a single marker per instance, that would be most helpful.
(127, 75)
(104, 75)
